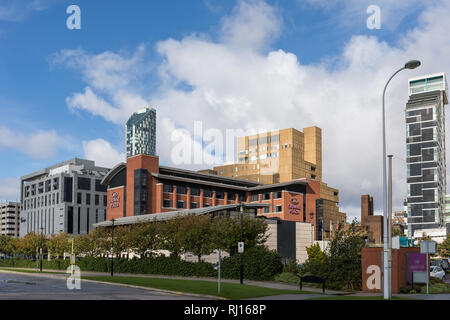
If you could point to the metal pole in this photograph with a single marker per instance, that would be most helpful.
(219, 271)
(112, 249)
(386, 284)
(389, 227)
(40, 261)
(241, 269)
(428, 272)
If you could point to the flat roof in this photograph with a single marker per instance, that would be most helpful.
(172, 214)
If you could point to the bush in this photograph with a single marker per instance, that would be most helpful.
(259, 262)
(291, 266)
(287, 277)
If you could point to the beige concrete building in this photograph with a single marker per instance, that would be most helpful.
(9, 219)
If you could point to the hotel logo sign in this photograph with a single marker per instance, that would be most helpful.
(294, 206)
(114, 202)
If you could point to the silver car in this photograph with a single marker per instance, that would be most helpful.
(437, 272)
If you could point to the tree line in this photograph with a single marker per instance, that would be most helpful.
(198, 235)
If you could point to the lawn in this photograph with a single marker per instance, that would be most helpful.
(228, 290)
(359, 298)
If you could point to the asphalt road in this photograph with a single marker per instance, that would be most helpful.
(31, 287)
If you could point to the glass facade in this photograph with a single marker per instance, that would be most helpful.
(425, 151)
(141, 133)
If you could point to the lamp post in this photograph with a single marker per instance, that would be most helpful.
(40, 260)
(241, 268)
(387, 250)
(112, 248)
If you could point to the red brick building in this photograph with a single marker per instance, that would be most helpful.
(372, 224)
(141, 186)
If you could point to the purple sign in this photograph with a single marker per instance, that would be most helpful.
(416, 262)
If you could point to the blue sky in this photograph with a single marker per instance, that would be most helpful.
(45, 70)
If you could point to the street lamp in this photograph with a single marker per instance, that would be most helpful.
(241, 268)
(386, 221)
(112, 248)
(40, 262)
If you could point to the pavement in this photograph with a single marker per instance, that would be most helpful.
(134, 292)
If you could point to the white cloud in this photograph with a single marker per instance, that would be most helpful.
(256, 88)
(10, 189)
(103, 153)
(40, 144)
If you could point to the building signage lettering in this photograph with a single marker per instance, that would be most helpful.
(114, 202)
(294, 206)
(374, 280)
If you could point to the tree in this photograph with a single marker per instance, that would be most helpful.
(197, 235)
(315, 253)
(59, 244)
(30, 244)
(397, 231)
(444, 248)
(171, 232)
(227, 232)
(144, 238)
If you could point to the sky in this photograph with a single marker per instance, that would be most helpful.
(226, 65)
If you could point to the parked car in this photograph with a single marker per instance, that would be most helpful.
(437, 272)
(444, 264)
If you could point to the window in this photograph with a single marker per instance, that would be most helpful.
(255, 197)
(278, 195)
(195, 191)
(84, 183)
(97, 199)
(105, 201)
(194, 205)
(79, 197)
(267, 196)
(100, 187)
(220, 194)
(167, 188)
(207, 193)
(167, 203)
(180, 204)
(88, 198)
(181, 190)
(278, 208)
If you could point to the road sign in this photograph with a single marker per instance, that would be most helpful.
(428, 247)
(240, 247)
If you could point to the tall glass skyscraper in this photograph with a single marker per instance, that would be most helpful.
(141, 133)
(425, 151)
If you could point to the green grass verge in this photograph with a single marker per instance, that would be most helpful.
(359, 298)
(228, 290)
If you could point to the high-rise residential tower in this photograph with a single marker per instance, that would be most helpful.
(425, 148)
(141, 133)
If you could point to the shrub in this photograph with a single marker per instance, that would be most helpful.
(291, 266)
(287, 277)
(259, 262)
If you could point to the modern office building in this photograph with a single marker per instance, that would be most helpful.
(141, 133)
(141, 186)
(9, 219)
(282, 156)
(66, 197)
(425, 147)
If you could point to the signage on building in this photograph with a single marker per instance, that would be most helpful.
(114, 202)
(294, 206)
(416, 263)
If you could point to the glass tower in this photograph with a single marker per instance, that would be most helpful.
(425, 151)
(141, 133)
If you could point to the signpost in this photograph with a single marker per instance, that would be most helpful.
(72, 257)
(428, 247)
(240, 247)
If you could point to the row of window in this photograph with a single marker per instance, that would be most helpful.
(207, 193)
(31, 189)
(87, 199)
(41, 201)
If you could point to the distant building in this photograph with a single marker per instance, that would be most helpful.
(372, 224)
(425, 148)
(9, 219)
(141, 133)
(66, 197)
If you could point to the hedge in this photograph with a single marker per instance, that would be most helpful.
(259, 264)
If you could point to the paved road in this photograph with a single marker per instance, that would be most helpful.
(48, 287)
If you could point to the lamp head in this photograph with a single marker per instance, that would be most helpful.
(412, 64)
